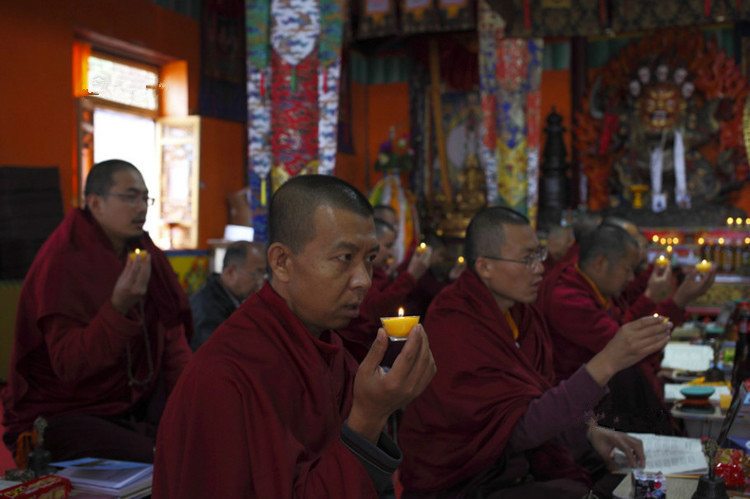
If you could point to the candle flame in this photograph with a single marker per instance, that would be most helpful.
(721, 240)
(747, 240)
(663, 240)
(460, 259)
(738, 221)
(137, 251)
(400, 311)
(669, 249)
(747, 221)
(656, 315)
(701, 240)
(676, 240)
(655, 238)
(730, 221)
(669, 240)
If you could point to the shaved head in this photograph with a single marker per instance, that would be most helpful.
(485, 234)
(608, 240)
(382, 227)
(293, 206)
(237, 252)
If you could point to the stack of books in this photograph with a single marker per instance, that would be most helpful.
(107, 477)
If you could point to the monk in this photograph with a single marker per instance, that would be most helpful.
(243, 272)
(492, 423)
(583, 314)
(272, 405)
(100, 337)
(386, 294)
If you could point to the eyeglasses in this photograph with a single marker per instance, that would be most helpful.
(530, 261)
(132, 199)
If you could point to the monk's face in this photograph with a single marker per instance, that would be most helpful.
(326, 282)
(386, 250)
(619, 273)
(512, 282)
(121, 212)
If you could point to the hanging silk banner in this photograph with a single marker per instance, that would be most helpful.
(294, 69)
(510, 78)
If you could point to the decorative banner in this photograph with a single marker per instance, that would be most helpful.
(491, 32)
(510, 73)
(389, 191)
(292, 93)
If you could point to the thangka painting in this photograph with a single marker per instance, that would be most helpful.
(661, 125)
(510, 71)
(293, 73)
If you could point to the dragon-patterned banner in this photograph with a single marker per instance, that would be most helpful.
(293, 73)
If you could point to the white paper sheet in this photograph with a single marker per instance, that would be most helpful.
(687, 357)
(670, 455)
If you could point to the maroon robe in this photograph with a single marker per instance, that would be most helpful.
(69, 350)
(581, 325)
(258, 411)
(383, 299)
(460, 426)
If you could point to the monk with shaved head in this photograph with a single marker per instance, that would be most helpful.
(272, 405)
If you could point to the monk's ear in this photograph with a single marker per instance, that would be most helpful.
(482, 268)
(279, 261)
(601, 263)
(94, 202)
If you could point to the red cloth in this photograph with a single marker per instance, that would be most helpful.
(69, 344)
(581, 326)
(461, 424)
(383, 299)
(258, 411)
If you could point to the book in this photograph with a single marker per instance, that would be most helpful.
(670, 455)
(108, 477)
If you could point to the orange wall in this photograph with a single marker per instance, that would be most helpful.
(37, 116)
(375, 108)
(222, 172)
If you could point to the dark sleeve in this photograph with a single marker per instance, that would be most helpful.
(380, 461)
(205, 318)
(560, 408)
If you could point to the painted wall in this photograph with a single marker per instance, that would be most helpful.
(375, 108)
(222, 172)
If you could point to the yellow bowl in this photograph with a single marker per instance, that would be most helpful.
(703, 266)
(139, 254)
(399, 327)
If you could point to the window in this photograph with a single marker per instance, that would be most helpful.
(118, 117)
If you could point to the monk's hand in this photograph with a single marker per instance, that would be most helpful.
(695, 285)
(420, 262)
(633, 342)
(605, 441)
(659, 284)
(132, 284)
(377, 394)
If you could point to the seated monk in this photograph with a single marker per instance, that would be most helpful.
(386, 294)
(583, 316)
(272, 405)
(493, 422)
(100, 337)
(243, 272)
